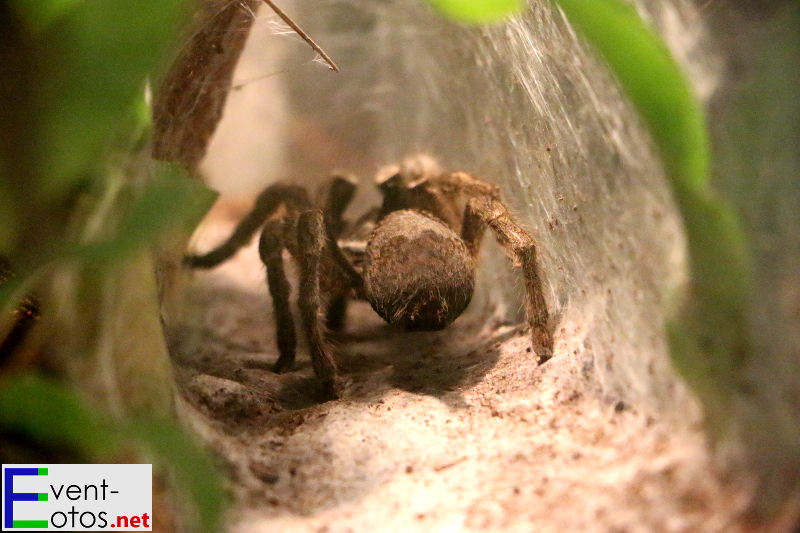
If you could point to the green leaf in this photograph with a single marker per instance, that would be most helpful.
(51, 415)
(41, 14)
(478, 11)
(653, 81)
(196, 197)
(172, 199)
(193, 468)
(96, 56)
(709, 335)
(8, 219)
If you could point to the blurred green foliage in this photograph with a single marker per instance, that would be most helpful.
(76, 195)
(79, 70)
(478, 11)
(170, 198)
(94, 57)
(709, 331)
(196, 474)
(51, 416)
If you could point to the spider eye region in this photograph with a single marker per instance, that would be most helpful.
(418, 273)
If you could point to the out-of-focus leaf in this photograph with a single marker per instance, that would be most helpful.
(172, 199)
(96, 56)
(478, 11)
(42, 13)
(9, 297)
(197, 199)
(653, 81)
(192, 467)
(709, 337)
(16, 73)
(48, 413)
(51, 415)
(8, 221)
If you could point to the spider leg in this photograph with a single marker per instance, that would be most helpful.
(312, 243)
(466, 184)
(473, 228)
(270, 249)
(393, 188)
(490, 211)
(336, 312)
(340, 194)
(267, 203)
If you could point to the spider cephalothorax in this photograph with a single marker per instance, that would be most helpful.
(413, 258)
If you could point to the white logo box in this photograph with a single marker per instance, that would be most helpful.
(91, 497)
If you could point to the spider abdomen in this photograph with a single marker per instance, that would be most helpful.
(418, 273)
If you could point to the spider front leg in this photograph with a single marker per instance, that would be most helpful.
(270, 249)
(276, 195)
(489, 210)
(312, 243)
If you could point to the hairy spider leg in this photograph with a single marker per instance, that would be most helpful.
(336, 313)
(270, 249)
(473, 229)
(485, 208)
(340, 193)
(312, 243)
(488, 210)
(466, 184)
(267, 203)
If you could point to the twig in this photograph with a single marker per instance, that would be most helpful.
(302, 34)
(449, 465)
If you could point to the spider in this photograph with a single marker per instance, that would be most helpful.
(413, 258)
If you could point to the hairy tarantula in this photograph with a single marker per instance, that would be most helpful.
(413, 258)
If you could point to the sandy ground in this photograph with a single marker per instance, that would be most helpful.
(457, 430)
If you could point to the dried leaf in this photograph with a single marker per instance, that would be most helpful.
(190, 102)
